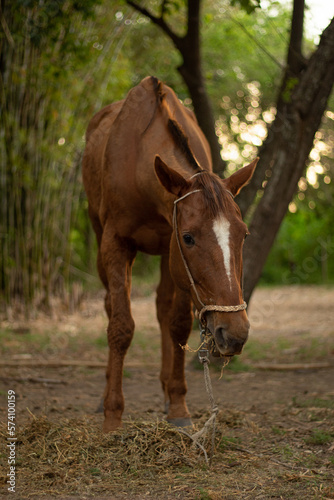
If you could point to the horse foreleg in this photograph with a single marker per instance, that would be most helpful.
(117, 258)
(180, 328)
(165, 293)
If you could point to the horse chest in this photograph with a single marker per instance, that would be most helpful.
(153, 240)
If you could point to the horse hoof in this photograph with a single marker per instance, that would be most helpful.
(111, 426)
(180, 422)
(166, 407)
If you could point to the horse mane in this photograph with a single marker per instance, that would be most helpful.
(216, 197)
(174, 127)
(183, 142)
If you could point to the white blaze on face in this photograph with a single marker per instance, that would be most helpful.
(221, 228)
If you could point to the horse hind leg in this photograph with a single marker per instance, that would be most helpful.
(117, 257)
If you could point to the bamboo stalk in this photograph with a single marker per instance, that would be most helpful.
(40, 189)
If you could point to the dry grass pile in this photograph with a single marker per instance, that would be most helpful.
(150, 459)
(74, 456)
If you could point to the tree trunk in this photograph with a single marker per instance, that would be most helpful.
(189, 47)
(295, 65)
(302, 100)
(203, 110)
(286, 150)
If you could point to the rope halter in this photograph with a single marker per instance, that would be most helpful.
(204, 308)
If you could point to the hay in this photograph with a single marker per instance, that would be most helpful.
(74, 456)
(71, 458)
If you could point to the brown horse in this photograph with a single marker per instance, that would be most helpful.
(148, 177)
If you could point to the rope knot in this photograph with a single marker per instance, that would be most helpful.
(215, 409)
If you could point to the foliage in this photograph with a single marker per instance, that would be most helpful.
(303, 250)
(61, 61)
(247, 5)
(231, 40)
(48, 56)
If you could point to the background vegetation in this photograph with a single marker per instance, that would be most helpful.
(62, 61)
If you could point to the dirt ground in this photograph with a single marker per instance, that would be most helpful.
(270, 412)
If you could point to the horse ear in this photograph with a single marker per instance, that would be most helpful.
(240, 178)
(171, 180)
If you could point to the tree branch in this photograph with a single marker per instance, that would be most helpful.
(321, 63)
(191, 70)
(294, 64)
(163, 8)
(159, 21)
(193, 32)
(295, 57)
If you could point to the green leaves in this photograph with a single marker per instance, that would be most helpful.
(248, 6)
(46, 76)
(171, 7)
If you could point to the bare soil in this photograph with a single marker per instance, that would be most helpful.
(275, 426)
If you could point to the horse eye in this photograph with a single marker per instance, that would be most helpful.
(189, 240)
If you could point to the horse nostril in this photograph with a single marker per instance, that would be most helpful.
(227, 344)
(235, 346)
(220, 337)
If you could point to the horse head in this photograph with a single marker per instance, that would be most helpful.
(206, 249)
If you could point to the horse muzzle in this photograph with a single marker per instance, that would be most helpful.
(229, 338)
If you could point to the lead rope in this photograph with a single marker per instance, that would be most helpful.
(203, 356)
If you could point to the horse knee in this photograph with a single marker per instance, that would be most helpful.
(180, 328)
(164, 305)
(120, 335)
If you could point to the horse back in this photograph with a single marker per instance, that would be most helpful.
(118, 165)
